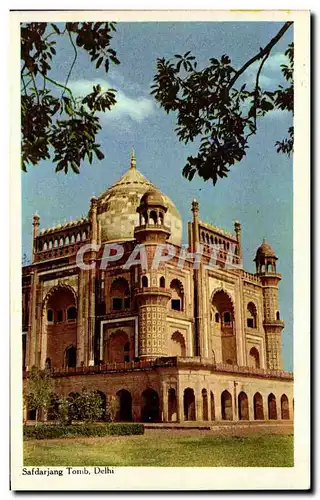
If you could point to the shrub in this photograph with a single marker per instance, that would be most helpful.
(55, 431)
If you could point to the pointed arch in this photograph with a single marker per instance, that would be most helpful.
(56, 288)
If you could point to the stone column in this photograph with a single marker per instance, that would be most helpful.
(217, 401)
(198, 397)
(80, 315)
(164, 395)
(180, 409)
(250, 407)
(136, 407)
(44, 339)
(32, 327)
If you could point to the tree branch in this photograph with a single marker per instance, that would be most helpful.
(73, 62)
(262, 53)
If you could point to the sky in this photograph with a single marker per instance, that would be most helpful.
(258, 191)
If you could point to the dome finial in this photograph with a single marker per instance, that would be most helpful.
(133, 161)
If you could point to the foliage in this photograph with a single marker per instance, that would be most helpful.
(54, 431)
(85, 406)
(112, 409)
(63, 412)
(62, 124)
(210, 105)
(38, 390)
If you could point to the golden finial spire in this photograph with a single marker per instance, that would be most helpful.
(133, 161)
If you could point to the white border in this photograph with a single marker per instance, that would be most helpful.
(187, 478)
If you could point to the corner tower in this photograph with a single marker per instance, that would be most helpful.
(266, 269)
(152, 295)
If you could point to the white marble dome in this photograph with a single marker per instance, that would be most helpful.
(117, 208)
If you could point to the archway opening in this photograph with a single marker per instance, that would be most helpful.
(284, 407)
(124, 406)
(226, 406)
(71, 357)
(189, 404)
(177, 295)
(224, 325)
(120, 294)
(272, 407)
(150, 411)
(251, 315)
(172, 405)
(177, 345)
(243, 406)
(118, 347)
(258, 406)
(254, 358)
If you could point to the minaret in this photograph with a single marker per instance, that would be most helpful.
(197, 280)
(267, 271)
(152, 295)
(35, 224)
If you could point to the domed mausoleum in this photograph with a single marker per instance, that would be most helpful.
(117, 208)
(185, 340)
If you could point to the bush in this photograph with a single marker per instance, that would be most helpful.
(54, 431)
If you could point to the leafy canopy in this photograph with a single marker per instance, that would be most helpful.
(62, 124)
(211, 106)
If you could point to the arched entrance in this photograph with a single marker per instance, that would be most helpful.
(224, 325)
(272, 407)
(189, 404)
(226, 406)
(150, 411)
(71, 357)
(243, 406)
(118, 347)
(57, 324)
(204, 405)
(103, 404)
(172, 405)
(124, 406)
(258, 406)
(284, 407)
(254, 358)
(177, 345)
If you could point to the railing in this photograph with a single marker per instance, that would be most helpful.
(251, 277)
(170, 362)
(54, 253)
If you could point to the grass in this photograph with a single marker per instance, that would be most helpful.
(163, 450)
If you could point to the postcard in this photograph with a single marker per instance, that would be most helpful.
(159, 250)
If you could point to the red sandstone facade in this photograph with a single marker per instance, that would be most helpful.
(173, 343)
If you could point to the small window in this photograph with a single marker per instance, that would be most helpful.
(250, 323)
(59, 316)
(116, 304)
(162, 282)
(277, 315)
(127, 303)
(50, 315)
(127, 352)
(71, 357)
(227, 317)
(71, 314)
(176, 304)
(217, 318)
(144, 282)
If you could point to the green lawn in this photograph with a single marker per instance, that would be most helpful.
(163, 450)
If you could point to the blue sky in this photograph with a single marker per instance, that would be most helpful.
(258, 191)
